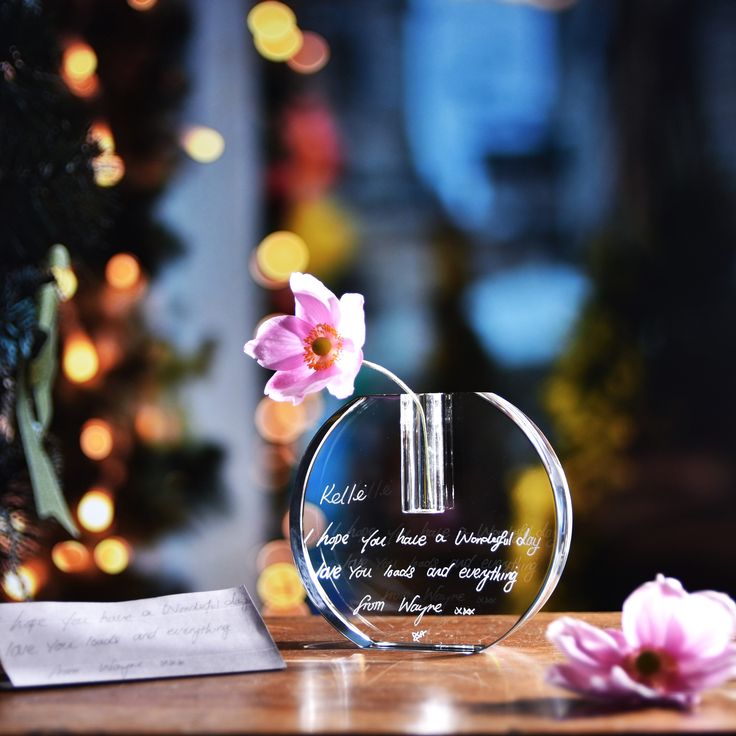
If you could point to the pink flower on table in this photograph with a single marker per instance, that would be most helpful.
(673, 645)
(320, 346)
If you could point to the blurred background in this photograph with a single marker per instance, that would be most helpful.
(536, 199)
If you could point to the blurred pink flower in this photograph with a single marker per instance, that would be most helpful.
(319, 347)
(673, 645)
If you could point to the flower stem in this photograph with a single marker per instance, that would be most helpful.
(422, 418)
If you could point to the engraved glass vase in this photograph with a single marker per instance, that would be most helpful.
(413, 529)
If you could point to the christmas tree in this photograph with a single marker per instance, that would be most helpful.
(88, 98)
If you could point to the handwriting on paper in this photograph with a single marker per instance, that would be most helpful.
(190, 634)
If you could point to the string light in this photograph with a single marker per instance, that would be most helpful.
(281, 48)
(314, 523)
(108, 169)
(112, 555)
(280, 422)
(96, 510)
(96, 439)
(280, 254)
(271, 19)
(273, 552)
(312, 56)
(85, 88)
(279, 586)
(79, 61)
(101, 134)
(142, 5)
(80, 362)
(21, 584)
(203, 144)
(70, 556)
(123, 271)
(155, 425)
(300, 609)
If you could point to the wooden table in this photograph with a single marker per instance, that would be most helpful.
(342, 689)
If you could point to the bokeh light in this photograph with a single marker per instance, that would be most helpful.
(87, 87)
(70, 556)
(272, 467)
(272, 553)
(112, 555)
(203, 144)
(260, 278)
(329, 230)
(123, 271)
(96, 439)
(280, 254)
(300, 609)
(281, 48)
(142, 4)
(66, 282)
(79, 61)
(109, 169)
(155, 424)
(271, 19)
(279, 586)
(312, 56)
(101, 134)
(280, 422)
(314, 523)
(80, 362)
(96, 510)
(21, 584)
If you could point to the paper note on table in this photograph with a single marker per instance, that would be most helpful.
(176, 635)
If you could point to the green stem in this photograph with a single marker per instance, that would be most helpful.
(422, 417)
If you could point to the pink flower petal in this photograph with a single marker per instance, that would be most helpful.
(708, 672)
(343, 384)
(295, 385)
(648, 611)
(584, 644)
(352, 319)
(314, 302)
(279, 343)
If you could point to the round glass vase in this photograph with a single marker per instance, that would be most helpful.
(441, 529)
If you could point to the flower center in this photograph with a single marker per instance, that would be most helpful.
(322, 347)
(648, 663)
(652, 668)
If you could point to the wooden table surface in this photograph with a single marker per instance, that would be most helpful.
(342, 689)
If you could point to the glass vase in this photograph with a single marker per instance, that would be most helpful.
(415, 528)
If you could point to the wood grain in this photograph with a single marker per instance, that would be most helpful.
(332, 687)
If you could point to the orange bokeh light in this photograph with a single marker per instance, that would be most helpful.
(142, 4)
(109, 169)
(70, 556)
(96, 439)
(280, 586)
(79, 61)
(112, 555)
(272, 552)
(80, 361)
(280, 422)
(96, 510)
(123, 271)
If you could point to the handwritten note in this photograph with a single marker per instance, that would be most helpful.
(173, 636)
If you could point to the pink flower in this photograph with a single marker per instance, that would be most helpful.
(673, 644)
(319, 347)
